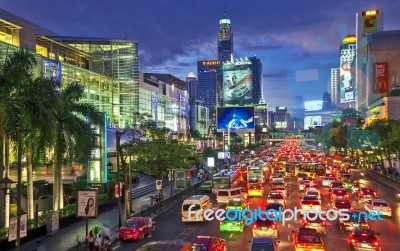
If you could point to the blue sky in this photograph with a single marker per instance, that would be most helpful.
(296, 40)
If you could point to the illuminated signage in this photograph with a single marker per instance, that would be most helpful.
(281, 108)
(381, 78)
(314, 105)
(225, 21)
(213, 62)
(370, 20)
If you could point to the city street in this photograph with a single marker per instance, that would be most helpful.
(170, 226)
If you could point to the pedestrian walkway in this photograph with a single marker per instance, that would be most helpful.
(67, 237)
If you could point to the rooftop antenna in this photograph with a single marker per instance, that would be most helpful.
(225, 11)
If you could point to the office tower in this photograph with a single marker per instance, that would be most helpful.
(192, 87)
(335, 86)
(225, 40)
(207, 72)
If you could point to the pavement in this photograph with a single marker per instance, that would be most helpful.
(66, 237)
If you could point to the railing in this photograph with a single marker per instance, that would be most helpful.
(392, 180)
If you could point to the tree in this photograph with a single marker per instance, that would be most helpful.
(73, 136)
(160, 152)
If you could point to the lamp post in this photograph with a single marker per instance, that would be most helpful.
(5, 185)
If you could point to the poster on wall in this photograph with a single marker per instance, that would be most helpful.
(87, 204)
(381, 78)
(12, 231)
(238, 118)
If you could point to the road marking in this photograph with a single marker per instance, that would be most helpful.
(186, 232)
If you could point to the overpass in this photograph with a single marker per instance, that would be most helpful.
(293, 136)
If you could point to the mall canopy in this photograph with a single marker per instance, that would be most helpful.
(111, 139)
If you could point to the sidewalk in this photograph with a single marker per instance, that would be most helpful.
(66, 237)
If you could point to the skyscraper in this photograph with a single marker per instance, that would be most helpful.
(335, 86)
(192, 87)
(207, 72)
(225, 40)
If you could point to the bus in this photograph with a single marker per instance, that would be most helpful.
(291, 167)
(312, 169)
(225, 179)
(255, 173)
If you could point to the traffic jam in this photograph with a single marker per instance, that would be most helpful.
(288, 197)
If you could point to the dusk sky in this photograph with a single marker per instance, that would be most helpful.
(296, 40)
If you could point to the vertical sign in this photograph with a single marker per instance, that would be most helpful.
(87, 204)
(370, 20)
(180, 179)
(12, 231)
(381, 78)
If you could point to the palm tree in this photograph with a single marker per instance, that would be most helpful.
(73, 136)
(16, 71)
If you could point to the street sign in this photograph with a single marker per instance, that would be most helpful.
(221, 155)
(227, 155)
(158, 184)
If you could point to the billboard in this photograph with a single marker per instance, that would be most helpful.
(345, 81)
(312, 121)
(381, 78)
(280, 124)
(237, 85)
(235, 118)
(314, 105)
(370, 21)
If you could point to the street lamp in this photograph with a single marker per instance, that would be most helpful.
(5, 185)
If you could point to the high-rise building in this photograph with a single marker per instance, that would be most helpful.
(335, 86)
(348, 50)
(207, 73)
(241, 82)
(192, 87)
(225, 40)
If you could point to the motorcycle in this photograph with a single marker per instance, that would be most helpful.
(106, 244)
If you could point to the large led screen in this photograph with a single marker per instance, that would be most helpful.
(237, 84)
(312, 121)
(280, 124)
(345, 82)
(314, 105)
(239, 118)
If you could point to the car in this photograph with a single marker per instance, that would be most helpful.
(327, 181)
(363, 194)
(280, 187)
(275, 206)
(276, 196)
(342, 204)
(206, 186)
(255, 190)
(310, 186)
(265, 228)
(231, 225)
(136, 228)
(364, 239)
(335, 184)
(356, 186)
(277, 175)
(264, 244)
(310, 203)
(307, 239)
(313, 192)
(314, 221)
(348, 184)
(354, 219)
(302, 184)
(301, 176)
(207, 243)
(338, 193)
(237, 203)
(378, 205)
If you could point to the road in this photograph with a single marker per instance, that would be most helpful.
(170, 226)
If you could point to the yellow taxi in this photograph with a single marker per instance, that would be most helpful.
(237, 203)
(255, 190)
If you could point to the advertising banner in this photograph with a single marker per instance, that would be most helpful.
(87, 204)
(180, 179)
(370, 21)
(381, 78)
(237, 84)
(280, 124)
(312, 121)
(240, 118)
(314, 105)
(345, 82)
(12, 231)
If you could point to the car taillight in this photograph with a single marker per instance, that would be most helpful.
(255, 226)
(353, 240)
(375, 244)
(182, 213)
(373, 208)
(361, 193)
(323, 223)
(299, 245)
(305, 222)
(274, 226)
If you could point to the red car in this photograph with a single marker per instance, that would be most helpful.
(206, 243)
(136, 228)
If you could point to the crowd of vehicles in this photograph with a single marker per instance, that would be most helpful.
(265, 179)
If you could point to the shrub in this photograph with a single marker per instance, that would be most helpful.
(79, 184)
(3, 233)
(103, 197)
(96, 230)
(68, 210)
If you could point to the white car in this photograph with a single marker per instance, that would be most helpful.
(378, 205)
(276, 196)
(313, 192)
(310, 203)
(327, 181)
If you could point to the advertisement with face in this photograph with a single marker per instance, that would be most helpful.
(235, 118)
(237, 84)
(312, 121)
(87, 203)
(345, 82)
